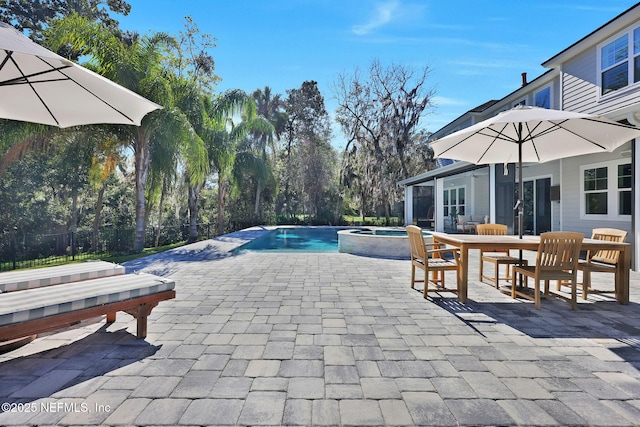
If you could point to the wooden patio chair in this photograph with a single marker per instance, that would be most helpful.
(496, 257)
(600, 261)
(431, 261)
(557, 259)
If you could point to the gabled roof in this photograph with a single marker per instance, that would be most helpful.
(452, 169)
(602, 33)
(487, 105)
(481, 108)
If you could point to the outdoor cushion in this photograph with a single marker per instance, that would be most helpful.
(35, 278)
(463, 219)
(16, 307)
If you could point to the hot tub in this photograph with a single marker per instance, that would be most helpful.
(377, 242)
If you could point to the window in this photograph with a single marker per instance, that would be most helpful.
(595, 189)
(624, 189)
(606, 190)
(543, 98)
(454, 201)
(620, 62)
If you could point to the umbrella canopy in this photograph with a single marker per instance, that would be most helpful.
(532, 134)
(39, 86)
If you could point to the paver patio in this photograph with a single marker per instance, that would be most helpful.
(330, 339)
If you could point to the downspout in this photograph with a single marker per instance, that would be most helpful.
(635, 207)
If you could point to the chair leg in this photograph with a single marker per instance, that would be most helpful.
(435, 276)
(586, 283)
(574, 296)
(546, 287)
(413, 276)
(425, 290)
(481, 267)
(513, 290)
(536, 296)
(497, 278)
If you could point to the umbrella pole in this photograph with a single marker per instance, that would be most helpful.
(520, 195)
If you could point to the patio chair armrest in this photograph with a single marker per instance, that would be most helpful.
(454, 251)
(436, 245)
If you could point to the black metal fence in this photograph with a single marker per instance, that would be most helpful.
(22, 250)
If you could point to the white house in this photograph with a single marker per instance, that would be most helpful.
(598, 74)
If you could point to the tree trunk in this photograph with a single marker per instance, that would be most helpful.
(96, 218)
(160, 209)
(256, 212)
(387, 213)
(74, 210)
(336, 214)
(221, 197)
(193, 212)
(74, 220)
(142, 160)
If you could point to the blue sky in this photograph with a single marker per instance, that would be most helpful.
(476, 50)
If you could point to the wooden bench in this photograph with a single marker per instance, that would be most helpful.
(36, 306)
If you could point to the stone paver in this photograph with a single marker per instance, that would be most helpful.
(330, 339)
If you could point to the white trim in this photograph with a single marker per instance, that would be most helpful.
(612, 190)
(457, 204)
(631, 55)
(635, 226)
(534, 179)
(542, 88)
(439, 187)
(408, 205)
(562, 195)
(492, 193)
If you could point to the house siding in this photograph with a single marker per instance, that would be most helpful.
(571, 194)
(580, 92)
(580, 85)
(481, 196)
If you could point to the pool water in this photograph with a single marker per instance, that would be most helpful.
(295, 239)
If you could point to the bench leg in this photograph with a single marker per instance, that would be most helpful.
(111, 317)
(141, 313)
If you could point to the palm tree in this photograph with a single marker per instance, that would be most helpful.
(272, 108)
(221, 136)
(140, 66)
(258, 135)
(189, 99)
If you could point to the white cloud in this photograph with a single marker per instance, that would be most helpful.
(443, 100)
(384, 13)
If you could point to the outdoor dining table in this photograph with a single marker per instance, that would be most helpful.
(465, 242)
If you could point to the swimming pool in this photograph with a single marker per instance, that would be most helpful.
(375, 241)
(304, 239)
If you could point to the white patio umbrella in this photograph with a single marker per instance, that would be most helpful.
(532, 134)
(39, 86)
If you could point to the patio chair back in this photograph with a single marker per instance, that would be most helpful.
(497, 257)
(603, 255)
(492, 229)
(431, 260)
(557, 259)
(559, 251)
(416, 243)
